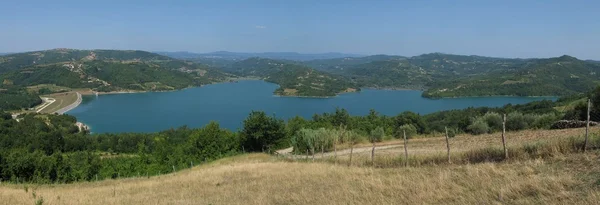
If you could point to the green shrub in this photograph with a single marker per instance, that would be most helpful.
(479, 126)
(517, 121)
(376, 135)
(452, 132)
(544, 121)
(410, 130)
(493, 120)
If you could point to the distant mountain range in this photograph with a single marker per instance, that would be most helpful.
(238, 56)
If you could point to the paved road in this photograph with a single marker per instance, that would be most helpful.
(47, 102)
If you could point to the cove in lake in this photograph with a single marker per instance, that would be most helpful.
(230, 103)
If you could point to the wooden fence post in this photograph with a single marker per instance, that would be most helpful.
(373, 154)
(335, 152)
(587, 126)
(447, 144)
(335, 139)
(405, 150)
(306, 156)
(351, 149)
(504, 136)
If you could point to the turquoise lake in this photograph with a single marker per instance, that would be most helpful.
(230, 103)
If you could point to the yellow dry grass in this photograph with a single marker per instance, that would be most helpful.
(290, 91)
(260, 179)
(562, 178)
(464, 142)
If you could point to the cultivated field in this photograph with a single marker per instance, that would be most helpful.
(546, 169)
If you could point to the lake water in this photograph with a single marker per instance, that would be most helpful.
(230, 103)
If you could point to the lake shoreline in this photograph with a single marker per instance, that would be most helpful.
(491, 96)
(230, 103)
(235, 80)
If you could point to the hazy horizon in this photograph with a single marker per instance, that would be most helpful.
(507, 29)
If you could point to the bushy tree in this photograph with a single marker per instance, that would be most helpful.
(409, 129)
(493, 120)
(517, 121)
(340, 117)
(411, 118)
(544, 121)
(478, 127)
(261, 132)
(376, 135)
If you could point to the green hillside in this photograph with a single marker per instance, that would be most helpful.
(14, 98)
(446, 75)
(104, 70)
(294, 79)
(560, 76)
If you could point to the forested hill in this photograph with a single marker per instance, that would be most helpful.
(446, 75)
(294, 79)
(560, 76)
(104, 70)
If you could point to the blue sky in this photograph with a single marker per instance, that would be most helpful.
(492, 28)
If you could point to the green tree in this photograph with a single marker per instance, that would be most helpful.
(478, 127)
(261, 132)
(493, 120)
(411, 118)
(409, 129)
(376, 135)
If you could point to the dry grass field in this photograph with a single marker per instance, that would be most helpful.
(554, 175)
(426, 145)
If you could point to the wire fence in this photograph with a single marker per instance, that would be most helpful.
(584, 115)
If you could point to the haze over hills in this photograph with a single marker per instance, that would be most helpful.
(236, 56)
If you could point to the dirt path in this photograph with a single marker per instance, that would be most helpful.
(288, 151)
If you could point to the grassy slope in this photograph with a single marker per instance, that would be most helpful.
(62, 100)
(261, 179)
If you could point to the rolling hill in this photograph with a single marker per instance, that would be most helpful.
(104, 70)
(559, 76)
(294, 79)
(446, 75)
